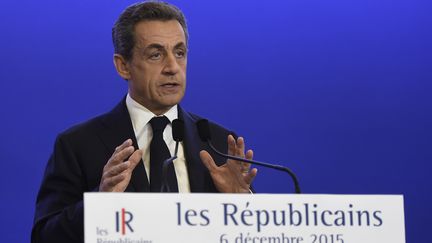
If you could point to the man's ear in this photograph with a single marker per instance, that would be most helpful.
(121, 66)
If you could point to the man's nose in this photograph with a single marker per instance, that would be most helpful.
(171, 66)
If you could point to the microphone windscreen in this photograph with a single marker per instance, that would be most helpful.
(203, 130)
(178, 130)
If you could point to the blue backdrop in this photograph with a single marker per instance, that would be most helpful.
(337, 90)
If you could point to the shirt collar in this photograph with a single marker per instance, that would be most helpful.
(140, 115)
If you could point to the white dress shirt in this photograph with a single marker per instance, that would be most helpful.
(140, 117)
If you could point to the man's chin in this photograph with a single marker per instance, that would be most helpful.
(173, 98)
(171, 101)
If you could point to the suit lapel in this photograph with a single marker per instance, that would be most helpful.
(118, 128)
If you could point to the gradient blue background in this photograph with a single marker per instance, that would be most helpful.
(338, 90)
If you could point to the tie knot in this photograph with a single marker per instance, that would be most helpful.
(158, 123)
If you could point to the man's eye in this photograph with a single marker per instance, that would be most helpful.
(180, 54)
(155, 56)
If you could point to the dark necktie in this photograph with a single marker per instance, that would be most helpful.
(159, 152)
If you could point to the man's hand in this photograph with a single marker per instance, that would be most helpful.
(233, 176)
(117, 172)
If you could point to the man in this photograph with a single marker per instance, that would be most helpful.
(115, 152)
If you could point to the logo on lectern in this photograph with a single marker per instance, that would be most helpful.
(123, 221)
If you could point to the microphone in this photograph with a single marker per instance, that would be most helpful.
(178, 134)
(204, 133)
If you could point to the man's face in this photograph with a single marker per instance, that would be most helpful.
(157, 69)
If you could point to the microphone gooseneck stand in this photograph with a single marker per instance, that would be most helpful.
(178, 134)
(204, 133)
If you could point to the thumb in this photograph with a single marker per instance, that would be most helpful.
(208, 161)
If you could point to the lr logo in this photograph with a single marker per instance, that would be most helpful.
(123, 219)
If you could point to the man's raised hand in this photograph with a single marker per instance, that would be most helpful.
(233, 176)
(118, 170)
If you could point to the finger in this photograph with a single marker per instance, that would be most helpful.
(231, 145)
(249, 154)
(125, 144)
(117, 169)
(208, 161)
(232, 151)
(246, 166)
(111, 182)
(120, 156)
(135, 158)
(240, 147)
(251, 176)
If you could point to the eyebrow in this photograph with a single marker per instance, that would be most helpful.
(180, 45)
(161, 47)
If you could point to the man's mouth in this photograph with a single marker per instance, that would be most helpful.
(170, 85)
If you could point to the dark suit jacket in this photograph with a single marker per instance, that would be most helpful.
(77, 162)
